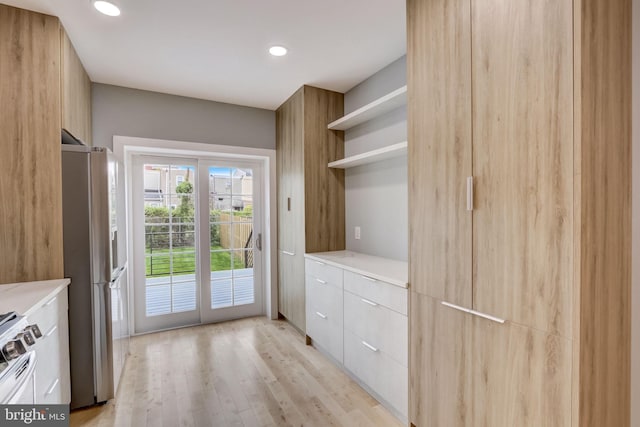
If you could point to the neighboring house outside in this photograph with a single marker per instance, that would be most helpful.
(229, 189)
(160, 184)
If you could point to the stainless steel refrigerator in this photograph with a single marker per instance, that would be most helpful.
(96, 312)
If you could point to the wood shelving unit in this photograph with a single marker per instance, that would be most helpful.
(395, 150)
(380, 106)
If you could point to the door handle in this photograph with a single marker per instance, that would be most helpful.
(322, 316)
(469, 193)
(473, 312)
(321, 281)
(259, 242)
(288, 253)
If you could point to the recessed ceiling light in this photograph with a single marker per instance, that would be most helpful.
(278, 50)
(107, 8)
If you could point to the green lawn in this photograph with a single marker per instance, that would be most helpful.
(184, 261)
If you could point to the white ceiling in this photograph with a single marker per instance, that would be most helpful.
(217, 49)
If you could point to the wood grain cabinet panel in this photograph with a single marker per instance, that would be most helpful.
(439, 364)
(439, 129)
(30, 174)
(310, 195)
(523, 162)
(43, 85)
(520, 376)
(76, 92)
(545, 89)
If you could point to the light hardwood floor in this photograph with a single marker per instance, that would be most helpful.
(250, 372)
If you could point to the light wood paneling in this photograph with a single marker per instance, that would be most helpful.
(30, 175)
(251, 372)
(523, 162)
(603, 108)
(520, 376)
(439, 364)
(551, 229)
(76, 92)
(324, 186)
(310, 195)
(439, 127)
(290, 176)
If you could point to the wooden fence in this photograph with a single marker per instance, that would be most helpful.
(236, 236)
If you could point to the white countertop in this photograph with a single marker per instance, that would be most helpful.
(383, 269)
(24, 298)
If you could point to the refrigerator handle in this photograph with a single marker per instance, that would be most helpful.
(103, 343)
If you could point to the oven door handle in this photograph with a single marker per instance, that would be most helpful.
(26, 377)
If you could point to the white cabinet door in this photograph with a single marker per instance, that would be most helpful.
(52, 378)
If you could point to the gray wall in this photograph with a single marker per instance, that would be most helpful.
(376, 194)
(131, 112)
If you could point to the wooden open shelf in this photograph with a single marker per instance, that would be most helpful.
(395, 150)
(382, 105)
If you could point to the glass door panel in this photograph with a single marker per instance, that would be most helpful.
(167, 292)
(232, 227)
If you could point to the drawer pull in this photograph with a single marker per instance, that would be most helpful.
(369, 279)
(473, 312)
(321, 315)
(51, 301)
(366, 301)
(369, 346)
(321, 281)
(52, 387)
(288, 253)
(51, 331)
(319, 263)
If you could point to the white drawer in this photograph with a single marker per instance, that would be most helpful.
(48, 350)
(325, 331)
(382, 374)
(52, 351)
(386, 294)
(380, 326)
(48, 314)
(323, 271)
(324, 297)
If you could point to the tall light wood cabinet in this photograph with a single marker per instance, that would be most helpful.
(35, 62)
(519, 168)
(76, 92)
(30, 174)
(310, 195)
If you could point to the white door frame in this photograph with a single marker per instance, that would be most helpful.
(125, 147)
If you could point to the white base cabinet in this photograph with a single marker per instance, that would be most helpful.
(360, 320)
(52, 377)
(324, 305)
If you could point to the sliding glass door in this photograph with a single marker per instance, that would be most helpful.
(197, 234)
